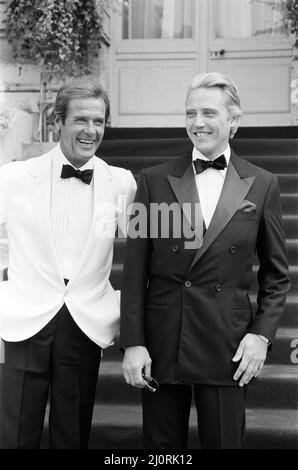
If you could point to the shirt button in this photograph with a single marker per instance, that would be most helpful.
(218, 287)
(66, 292)
(232, 249)
(175, 248)
(187, 284)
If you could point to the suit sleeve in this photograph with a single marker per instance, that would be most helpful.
(273, 277)
(136, 270)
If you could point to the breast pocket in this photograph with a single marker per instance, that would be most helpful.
(250, 216)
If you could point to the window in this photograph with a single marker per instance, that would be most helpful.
(158, 19)
(250, 18)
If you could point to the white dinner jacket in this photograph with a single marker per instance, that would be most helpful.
(35, 290)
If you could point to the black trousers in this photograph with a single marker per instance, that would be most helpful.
(62, 360)
(220, 416)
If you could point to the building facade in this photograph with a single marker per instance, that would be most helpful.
(157, 46)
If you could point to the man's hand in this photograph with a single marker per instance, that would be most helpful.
(136, 358)
(253, 350)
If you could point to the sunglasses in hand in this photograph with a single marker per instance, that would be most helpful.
(150, 382)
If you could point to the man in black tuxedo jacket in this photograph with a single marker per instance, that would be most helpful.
(186, 313)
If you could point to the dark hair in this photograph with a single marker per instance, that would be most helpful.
(79, 88)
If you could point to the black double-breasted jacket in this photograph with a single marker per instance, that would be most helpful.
(191, 306)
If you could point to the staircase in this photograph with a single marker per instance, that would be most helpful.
(272, 402)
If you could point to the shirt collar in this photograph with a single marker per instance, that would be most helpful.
(197, 154)
(59, 160)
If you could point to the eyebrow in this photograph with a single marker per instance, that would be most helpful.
(204, 109)
(81, 117)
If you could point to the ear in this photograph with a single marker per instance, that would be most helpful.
(58, 123)
(234, 120)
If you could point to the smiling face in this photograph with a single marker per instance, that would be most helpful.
(208, 121)
(83, 129)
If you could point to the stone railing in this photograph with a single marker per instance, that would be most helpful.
(16, 127)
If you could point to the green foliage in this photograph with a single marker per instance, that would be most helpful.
(292, 6)
(56, 34)
(287, 21)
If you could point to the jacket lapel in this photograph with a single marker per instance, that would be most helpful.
(40, 195)
(103, 198)
(185, 190)
(234, 191)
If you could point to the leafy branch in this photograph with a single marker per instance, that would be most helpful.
(292, 6)
(56, 34)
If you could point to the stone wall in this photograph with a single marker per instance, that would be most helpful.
(16, 127)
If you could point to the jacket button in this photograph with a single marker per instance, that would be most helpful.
(187, 284)
(232, 249)
(175, 248)
(218, 287)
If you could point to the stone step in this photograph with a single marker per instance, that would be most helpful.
(276, 387)
(117, 272)
(290, 226)
(119, 427)
(274, 147)
(136, 162)
(288, 183)
(275, 163)
(181, 146)
(285, 347)
(292, 250)
(272, 429)
(284, 350)
(252, 135)
(145, 147)
(289, 203)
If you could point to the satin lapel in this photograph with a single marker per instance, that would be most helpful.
(40, 195)
(102, 194)
(186, 192)
(234, 191)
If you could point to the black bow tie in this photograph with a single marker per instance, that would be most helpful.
(219, 163)
(69, 171)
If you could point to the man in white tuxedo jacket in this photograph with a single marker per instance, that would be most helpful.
(58, 310)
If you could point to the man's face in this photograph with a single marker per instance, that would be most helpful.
(83, 129)
(208, 122)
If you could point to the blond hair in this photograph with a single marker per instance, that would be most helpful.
(229, 88)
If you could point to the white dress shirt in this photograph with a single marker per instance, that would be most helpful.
(209, 184)
(71, 213)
